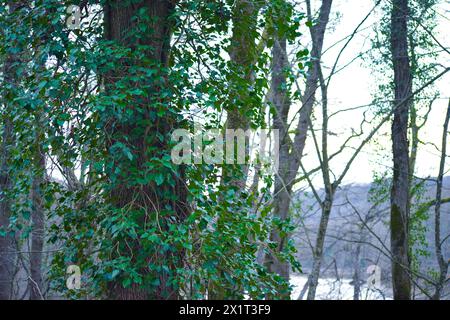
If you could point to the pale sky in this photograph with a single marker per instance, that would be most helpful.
(355, 86)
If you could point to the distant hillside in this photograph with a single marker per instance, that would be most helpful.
(345, 224)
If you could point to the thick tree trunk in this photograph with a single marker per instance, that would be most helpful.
(401, 281)
(119, 24)
(289, 160)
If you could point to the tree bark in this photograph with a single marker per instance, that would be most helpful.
(401, 281)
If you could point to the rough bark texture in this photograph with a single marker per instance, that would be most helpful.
(401, 281)
(119, 23)
(290, 155)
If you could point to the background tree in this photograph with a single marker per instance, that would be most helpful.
(400, 184)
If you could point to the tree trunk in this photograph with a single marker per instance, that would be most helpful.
(139, 136)
(318, 248)
(401, 281)
(443, 264)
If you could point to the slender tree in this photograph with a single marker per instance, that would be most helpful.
(443, 264)
(401, 281)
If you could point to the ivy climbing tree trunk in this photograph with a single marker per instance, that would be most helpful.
(401, 281)
(138, 129)
(243, 53)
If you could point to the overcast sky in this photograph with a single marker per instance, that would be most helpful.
(356, 86)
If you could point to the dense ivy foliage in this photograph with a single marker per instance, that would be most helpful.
(63, 104)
